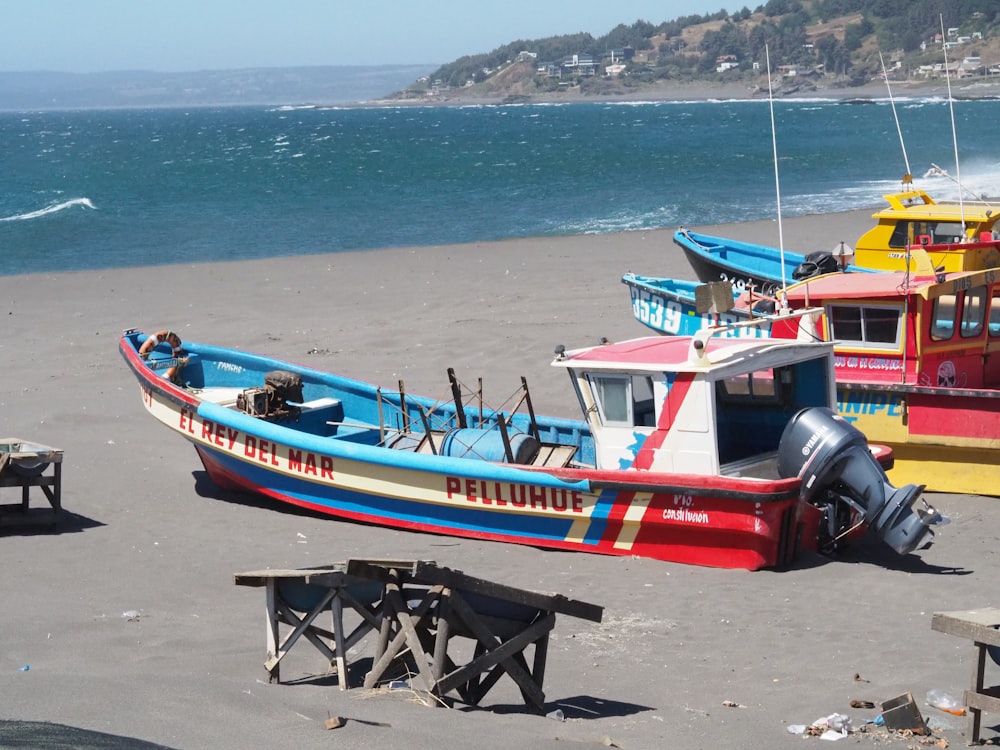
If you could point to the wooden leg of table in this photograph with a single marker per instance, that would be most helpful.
(338, 640)
(272, 638)
(978, 679)
(440, 660)
(541, 656)
(57, 489)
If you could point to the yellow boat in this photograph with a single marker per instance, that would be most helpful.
(958, 235)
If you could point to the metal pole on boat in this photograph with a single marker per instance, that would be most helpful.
(427, 430)
(777, 184)
(531, 409)
(402, 407)
(479, 384)
(381, 419)
(954, 138)
(505, 437)
(456, 394)
(908, 177)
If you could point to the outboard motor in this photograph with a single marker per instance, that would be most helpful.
(826, 453)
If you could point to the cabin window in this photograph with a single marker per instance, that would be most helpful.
(750, 386)
(948, 232)
(995, 315)
(901, 235)
(973, 312)
(943, 317)
(866, 326)
(624, 400)
(936, 232)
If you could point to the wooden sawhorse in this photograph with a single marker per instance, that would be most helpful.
(981, 627)
(426, 606)
(298, 597)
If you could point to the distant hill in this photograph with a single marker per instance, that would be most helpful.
(278, 86)
(810, 44)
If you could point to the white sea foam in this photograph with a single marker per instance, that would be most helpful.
(85, 202)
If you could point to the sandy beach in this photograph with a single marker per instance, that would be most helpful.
(685, 657)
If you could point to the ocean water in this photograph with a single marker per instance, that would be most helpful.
(111, 188)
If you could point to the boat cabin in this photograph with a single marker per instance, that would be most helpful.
(964, 235)
(697, 405)
(937, 329)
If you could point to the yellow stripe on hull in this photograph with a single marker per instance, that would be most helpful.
(961, 471)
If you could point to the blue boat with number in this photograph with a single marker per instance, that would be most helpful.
(659, 466)
(747, 265)
(670, 306)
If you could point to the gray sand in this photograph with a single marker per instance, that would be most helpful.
(148, 532)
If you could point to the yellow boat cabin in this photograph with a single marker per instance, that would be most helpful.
(957, 235)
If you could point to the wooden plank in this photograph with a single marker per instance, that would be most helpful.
(261, 577)
(984, 701)
(553, 454)
(979, 625)
(424, 571)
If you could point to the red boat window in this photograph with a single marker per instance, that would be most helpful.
(943, 317)
(871, 326)
(973, 312)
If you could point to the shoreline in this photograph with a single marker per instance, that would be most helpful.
(709, 91)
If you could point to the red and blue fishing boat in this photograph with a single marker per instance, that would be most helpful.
(714, 451)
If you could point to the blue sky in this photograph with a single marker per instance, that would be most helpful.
(184, 35)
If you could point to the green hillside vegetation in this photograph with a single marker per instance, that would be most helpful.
(829, 39)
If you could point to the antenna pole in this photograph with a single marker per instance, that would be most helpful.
(954, 137)
(777, 184)
(908, 177)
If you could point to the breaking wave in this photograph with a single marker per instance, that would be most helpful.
(85, 202)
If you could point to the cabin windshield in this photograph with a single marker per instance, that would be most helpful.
(871, 326)
(624, 400)
(753, 409)
(926, 233)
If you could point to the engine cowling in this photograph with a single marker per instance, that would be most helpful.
(828, 454)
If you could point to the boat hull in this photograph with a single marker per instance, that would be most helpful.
(693, 527)
(947, 439)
